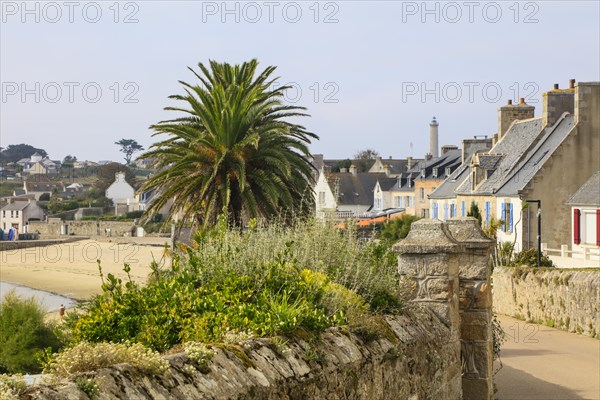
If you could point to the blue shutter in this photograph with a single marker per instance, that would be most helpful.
(504, 221)
(463, 208)
(435, 210)
(445, 211)
(487, 213)
(510, 219)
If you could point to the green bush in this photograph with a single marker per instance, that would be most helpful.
(529, 257)
(397, 228)
(24, 334)
(267, 281)
(134, 214)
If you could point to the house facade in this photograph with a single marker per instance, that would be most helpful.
(18, 212)
(585, 217)
(544, 159)
(120, 192)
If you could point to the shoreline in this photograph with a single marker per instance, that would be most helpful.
(71, 270)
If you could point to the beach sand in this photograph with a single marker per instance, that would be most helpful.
(71, 270)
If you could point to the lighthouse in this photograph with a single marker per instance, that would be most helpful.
(433, 138)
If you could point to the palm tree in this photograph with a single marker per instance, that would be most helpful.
(233, 151)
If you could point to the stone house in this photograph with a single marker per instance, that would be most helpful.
(38, 165)
(545, 158)
(345, 195)
(432, 172)
(585, 217)
(443, 199)
(37, 187)
(18, 212)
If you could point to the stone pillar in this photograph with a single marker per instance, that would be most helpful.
(475, 299)
(430, 256)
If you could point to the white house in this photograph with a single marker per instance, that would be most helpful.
(585, 219)
(17, 213)
(120, 192)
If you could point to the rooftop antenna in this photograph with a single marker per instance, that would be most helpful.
(411, 149)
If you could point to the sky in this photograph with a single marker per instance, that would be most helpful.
(78, 76)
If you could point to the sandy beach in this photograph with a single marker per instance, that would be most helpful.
(71, 270)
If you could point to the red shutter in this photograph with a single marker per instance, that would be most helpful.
(576, 233)
(598, 227)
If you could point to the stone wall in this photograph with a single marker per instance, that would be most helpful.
(415, 361)
(448, 261)
(54, 229)
(565, 299)
(440, 348)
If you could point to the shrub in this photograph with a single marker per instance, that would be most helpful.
(84, 357)
(11, 386)
(45, 197)
(397, 228)
(529, 257)
(134, 214)
(267, 281)
(24, 334)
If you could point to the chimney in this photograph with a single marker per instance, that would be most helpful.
(587, 95)
(447, 147)
(353, 170)
(556, 102)
(433, 138)
(471, 146)
(409, 163)
(513, 112)
(387, 169)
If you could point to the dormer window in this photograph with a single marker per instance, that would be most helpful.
(448, 171)
(423, 173)
(409, 182)
(435, 172)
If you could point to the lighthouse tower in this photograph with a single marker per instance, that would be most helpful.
(433, 139)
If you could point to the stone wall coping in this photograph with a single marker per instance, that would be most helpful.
(428, 236)
(467, 231)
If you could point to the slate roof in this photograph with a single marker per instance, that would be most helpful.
(534, 158)
(516, 141)
(16, 206)
(355, 189)
(447, 188)
(387, 183)
(588, 194)
(402, 180)
(18, 192)
(489, 161)
(37, 186)
(450, 159)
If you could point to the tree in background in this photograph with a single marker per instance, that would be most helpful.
(363, 159)
(233, 151)
(69, 160)
(397, 228)
(129, 147)
(15, 152)
(106, 176)
(474, 212)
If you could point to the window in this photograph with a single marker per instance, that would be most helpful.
(452, 210)
(448, 171)
(435, 210)
(445, 211)
(507, 217)
(487, 214)
(409, 181)
(435, 172)
(425, 213)
(463, 211)
(422, 194)
(4, 213)
(423, 173)
(12, 214)
(411, 200)
(398, 201)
